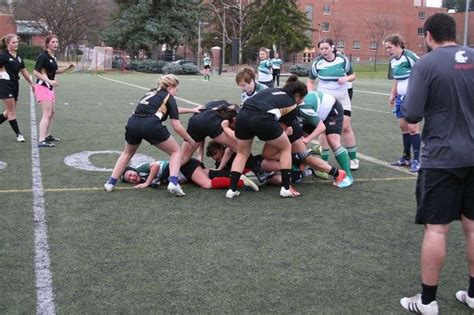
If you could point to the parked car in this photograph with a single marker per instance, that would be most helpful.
(184, 61)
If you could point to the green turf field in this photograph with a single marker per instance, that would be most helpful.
(145, 251)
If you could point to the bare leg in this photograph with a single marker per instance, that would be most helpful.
(468, 227)
(433, 253)
(125, 157)
(46, 120)
(171, 147)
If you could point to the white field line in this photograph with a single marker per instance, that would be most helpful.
(373, 110)
(362, 156)
(146, 89)
(44, 278)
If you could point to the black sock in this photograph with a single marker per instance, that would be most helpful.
(285, 178)
(221, 173)
(2, 118)
(428, 293)
(234, 180)
(470, 291)
(296, 176)
(334, 172)
(13, 123)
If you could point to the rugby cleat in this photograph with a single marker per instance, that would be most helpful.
(51, 138)
(415, 166)
(20, 138)
(413, 304)
(321, 174)
(354, 164)
(462, 297)
(109, 187)
(289, 193)
(401, 162)
(346, 182)
(263, 177)
(232, 194)
(248, 183)
(46, 144)
(175, 190)
(339, 178)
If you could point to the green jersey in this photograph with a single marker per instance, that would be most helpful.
(265, 71)
(276, 63)
(316, 106)
(207, 61)
(258, 87)
(329, 72)
(401, 69)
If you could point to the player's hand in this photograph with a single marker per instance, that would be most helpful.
(198, 109)
(305, 140)
(289, 131)
(225, 124)
(342, 80)
(53, 82)
(141, 186)
(391, 101)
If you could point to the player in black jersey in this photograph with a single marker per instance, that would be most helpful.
(260, 117)
(146, 124)
(11, 64)
(46, 69)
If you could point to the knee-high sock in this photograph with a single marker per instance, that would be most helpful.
(406, 146)
(14, 124)
(352, 152)
(416, 144)
(343, 159)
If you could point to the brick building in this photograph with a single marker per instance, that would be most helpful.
(7, 22)
(359, 26)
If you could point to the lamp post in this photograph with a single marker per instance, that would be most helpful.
(223, 34)
(199, 52)
(466, 22)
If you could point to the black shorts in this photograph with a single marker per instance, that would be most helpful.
(297, 131)
(442, 195)
(276, 72)
(250, 124)
(268, 84)
(347, 113)
(205, 124)
(188, 169)
(207, 67)
(146, 127)
(333, 121)
(9, 89)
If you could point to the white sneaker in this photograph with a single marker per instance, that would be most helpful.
(109, 187)
(414, 305)
(462, 297)
(354, 164)
(249, 183)
(231, 194)
(175, 190)
(286, 193)
(20, 138)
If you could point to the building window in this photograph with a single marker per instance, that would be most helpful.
(373, 45)
(420, 31)
(356, 44)
(307, 57)
(325, 26)
(327, 9)
(341, 44)
(422, 15)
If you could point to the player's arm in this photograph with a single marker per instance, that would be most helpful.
(225, 158)
(225, 126)
(393, 93)
(64, 69)
(185, 110)
(179, 129)
(154, 169)
(27, 77)
(320, 128)
(417, 94)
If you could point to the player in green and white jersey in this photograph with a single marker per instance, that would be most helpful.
(207, 67)
(265, 68)
(276, 66)
(334, 72)
(321, 113)
(245, 79)
(401, 63)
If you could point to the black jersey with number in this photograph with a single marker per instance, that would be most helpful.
(274, 101)
(12, 65)
(48, 63)
(153, 104)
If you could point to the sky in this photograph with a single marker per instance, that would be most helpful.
(433, 3)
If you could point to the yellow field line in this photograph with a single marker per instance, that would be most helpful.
(12, 191)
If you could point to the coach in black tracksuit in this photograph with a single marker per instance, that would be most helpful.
(260, 117)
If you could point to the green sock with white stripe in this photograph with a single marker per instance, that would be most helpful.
(343, 159)
(352, 152)
(325, 154)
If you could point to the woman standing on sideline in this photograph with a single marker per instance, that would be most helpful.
(334, 72)
(276, 65)
(265, 68)
(11, 64)
(401, 62)
(146, 124)
(207, 67)
(46, 69)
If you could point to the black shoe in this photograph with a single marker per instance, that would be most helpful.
(264, 177)
(46, 144)
(51, 138)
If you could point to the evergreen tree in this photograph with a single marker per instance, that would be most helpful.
(458, 5)
(279, 23)
(143, 24)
